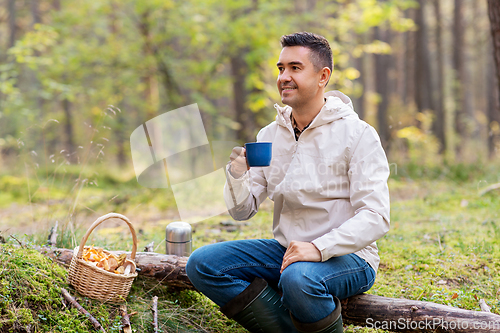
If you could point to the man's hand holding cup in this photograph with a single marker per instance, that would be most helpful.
(255, 154)
(239, 163)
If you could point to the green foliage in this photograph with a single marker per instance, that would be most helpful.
(422, 145)
(38, 41)
(14, 187)
(481, 173)
(150, 56)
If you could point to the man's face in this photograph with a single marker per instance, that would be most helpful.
(298, 82)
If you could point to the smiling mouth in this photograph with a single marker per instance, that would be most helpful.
(287, 89)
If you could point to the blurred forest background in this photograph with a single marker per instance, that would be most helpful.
(421, 72)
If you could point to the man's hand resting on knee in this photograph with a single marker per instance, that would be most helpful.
(300, 251)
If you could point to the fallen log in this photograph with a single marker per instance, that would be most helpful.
(391, 314)
(404, 315)
(167, 269)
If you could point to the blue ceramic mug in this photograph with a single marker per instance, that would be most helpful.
(259, 154)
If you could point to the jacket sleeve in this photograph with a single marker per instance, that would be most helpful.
(369, 196)
(243, 195)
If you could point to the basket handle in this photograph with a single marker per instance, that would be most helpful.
(102, 219)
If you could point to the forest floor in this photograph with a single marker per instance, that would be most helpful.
(443, 247)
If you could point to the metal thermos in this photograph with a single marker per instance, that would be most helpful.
(178, 239)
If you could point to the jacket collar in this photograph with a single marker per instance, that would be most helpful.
(337, 106)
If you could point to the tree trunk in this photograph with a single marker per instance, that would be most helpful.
(493, 110)
(120, 117)
(493, 113)
(37, 86)
(240, 70)
(68, 131)
(398, 45)
(409, 72)
(382, 65)
(493, 128)
(458, 68)
(359, 102)
(423, 82)
(365, 310)
(11, 5)
(157, 68)
(468, 93)
(35, 11)
(120, 140)
(56, 4)
(477, 62)
(149, 79)
(440, 124)
(244, 116)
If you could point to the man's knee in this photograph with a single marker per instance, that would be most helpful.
(291, 277)
(297, 279)
(207, 260)
(198, 262)
(192, 264)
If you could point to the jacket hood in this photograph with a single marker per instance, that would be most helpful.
(337, 106)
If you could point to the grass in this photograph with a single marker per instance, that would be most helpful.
(30, 295)
(30, 301)
(443, 247)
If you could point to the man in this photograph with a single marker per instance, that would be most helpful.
(328, 181)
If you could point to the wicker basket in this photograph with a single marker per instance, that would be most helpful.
(95, 282)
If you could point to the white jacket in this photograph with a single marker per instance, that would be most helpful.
(329, 187)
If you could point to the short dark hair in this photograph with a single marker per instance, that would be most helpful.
(321, 53)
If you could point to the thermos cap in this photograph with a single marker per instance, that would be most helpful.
(178, 232)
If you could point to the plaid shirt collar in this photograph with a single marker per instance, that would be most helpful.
(296, 129)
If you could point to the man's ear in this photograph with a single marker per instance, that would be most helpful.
(325, 73)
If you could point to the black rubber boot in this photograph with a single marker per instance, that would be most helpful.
(258, 309)
(331, 324)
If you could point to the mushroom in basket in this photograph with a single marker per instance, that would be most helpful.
(107, 261)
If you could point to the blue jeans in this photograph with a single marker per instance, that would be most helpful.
(221, 271)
